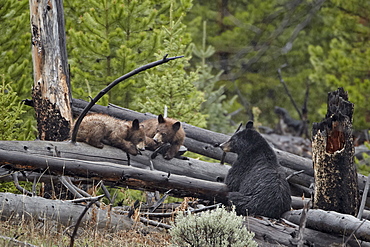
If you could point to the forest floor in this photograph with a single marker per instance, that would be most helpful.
(49, 234)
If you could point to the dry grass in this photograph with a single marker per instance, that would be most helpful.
(49, 234)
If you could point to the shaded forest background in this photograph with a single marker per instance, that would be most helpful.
(233, 50)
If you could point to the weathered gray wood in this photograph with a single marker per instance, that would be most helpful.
(203, 141)
(279, 234)
(336, 183)
(332, 222)
(15, 206)
(191, 168)
(121, 175)
(51, 92)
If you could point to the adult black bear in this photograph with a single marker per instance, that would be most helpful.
(256, 185)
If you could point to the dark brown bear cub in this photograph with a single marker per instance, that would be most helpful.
(257, 187)
(98, 129)
(164, 130)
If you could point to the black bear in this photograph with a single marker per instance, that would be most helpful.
(98, 129)
(256, 184)
(164, 131)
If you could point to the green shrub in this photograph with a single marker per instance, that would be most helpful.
(216, 228)
(12, 126)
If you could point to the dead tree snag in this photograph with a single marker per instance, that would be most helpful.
(332, 148)
(51, 91)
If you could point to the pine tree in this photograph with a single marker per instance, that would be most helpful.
(252, 40)
(212, 107)
(15, 71)
(343, 59)
(15, 48)
(110, 39)
(170, 84)
(13, 127)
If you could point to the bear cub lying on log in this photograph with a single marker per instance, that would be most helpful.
(256, 185)
(164, 131)
(98, 129)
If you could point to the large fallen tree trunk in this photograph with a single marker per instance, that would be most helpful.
(284, 233)
(204, 142)
(332, 222)
(198, 140)
(145, 179)
(191, 167)
(66, 213)
(119, 174)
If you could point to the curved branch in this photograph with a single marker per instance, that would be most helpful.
(110, 86)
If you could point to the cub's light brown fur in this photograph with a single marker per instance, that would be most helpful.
(164, 130)
(98, 129)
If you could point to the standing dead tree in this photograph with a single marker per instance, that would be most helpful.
(51, 91)
(332, 146)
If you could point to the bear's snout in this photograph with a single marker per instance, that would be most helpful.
(158, 138)
(141, 146)
(225, 146)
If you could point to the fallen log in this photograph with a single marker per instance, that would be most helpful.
(332, 222)
(82, 151)
(146, 179)
(191, 168)
(198, 140)
(15, 206)
(282, 233)
(121, 175)
(205, 142)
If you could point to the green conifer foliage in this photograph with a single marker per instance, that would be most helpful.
(16, 71)
(212, 107)
(12, 126)
(110, 39)
(252, 40)
(15, 47)
(170, 84)
(343, 60)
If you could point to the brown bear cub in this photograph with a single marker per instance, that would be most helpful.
(257, 185)
(98, 129)
(164, 131)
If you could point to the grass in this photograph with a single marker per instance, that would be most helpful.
(50, 234)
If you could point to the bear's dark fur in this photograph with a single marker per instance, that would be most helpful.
(256, 184)
(98, 129)
(164, 131)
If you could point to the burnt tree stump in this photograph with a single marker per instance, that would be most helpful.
(333, 151)
(51, 91)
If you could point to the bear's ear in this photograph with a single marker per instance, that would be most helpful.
(176, 126)
(249, 125)
(135, 124)
(161, 119)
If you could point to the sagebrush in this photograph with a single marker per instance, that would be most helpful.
(216, 228)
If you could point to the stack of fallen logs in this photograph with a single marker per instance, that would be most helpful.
(191, 178)
(206, 142)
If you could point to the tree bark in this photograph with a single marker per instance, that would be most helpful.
(205, 142)
(283, 233)
(51, 91)
(332, 222)
(120, 175)
(15, 206)
(332, 146)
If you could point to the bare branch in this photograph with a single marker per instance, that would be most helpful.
(111, 85)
